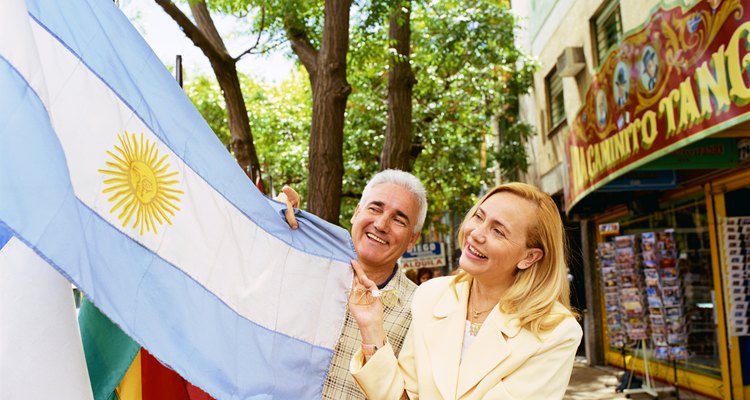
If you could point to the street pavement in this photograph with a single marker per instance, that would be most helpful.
(599, 383)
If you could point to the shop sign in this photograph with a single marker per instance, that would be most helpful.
(424, 255)
(432, 262)
(680, 78)
(708, 153)
(609, 229)
(642, 180)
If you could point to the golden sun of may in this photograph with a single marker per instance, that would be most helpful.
(141, 184)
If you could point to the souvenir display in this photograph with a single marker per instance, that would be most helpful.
(643, 293)
(631, 288)
(610, 279)
(664, 295)
(737, 273)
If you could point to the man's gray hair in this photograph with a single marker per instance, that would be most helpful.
(408, 182)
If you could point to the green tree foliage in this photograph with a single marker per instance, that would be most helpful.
(282, 114)
(468, 72)
(281, 117)
(510, 154)
(318, 32)
(205, 94)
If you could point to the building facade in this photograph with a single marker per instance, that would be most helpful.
(642, 117)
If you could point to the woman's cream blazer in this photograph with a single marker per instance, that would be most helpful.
(504, 362)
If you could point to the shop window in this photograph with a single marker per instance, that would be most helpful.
(735, 246)
(659, 269)
(607, 30)
(555, 100)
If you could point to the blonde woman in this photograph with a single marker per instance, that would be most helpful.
(501, 329)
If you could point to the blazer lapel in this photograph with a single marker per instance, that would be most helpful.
(489, 349)
(444, 337)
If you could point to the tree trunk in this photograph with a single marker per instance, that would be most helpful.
(239, 124)
(207, 38)
(330, 92)
(397, 147)
(327, 70)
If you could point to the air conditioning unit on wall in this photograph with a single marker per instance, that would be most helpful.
(571, 61)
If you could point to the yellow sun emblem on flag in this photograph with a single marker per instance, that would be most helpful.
(141, 184)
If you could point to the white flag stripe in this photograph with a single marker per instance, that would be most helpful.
(14, 18)
(203, 216)
(41, 356)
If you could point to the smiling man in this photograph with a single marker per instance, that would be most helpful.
(386, 223)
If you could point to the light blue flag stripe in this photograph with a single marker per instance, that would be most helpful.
(5, 236)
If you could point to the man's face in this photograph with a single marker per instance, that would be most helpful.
(620, 90)
(651, 68)
(383, 225)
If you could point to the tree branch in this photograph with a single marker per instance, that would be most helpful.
(351, 195)
(193, 33)
(260, 32)
(207, 27)
(302, 47)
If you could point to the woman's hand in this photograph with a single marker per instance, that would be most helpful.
(366, 308)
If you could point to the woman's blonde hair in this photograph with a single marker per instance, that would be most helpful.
(535, 290)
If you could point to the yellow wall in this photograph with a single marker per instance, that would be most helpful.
(664, 374)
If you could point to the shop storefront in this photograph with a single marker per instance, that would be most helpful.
(658, 159)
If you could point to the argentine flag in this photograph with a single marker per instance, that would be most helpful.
(109, 175)
(41, 356)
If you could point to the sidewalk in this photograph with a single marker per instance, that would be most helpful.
(599, 383)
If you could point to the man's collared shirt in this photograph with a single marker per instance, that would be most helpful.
(339, 383)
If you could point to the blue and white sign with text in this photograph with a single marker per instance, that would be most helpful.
(424, 255)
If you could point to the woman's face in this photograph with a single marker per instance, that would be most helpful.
(495, 238)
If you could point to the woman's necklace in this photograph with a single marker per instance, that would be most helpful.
(475, 314)
(475, 326)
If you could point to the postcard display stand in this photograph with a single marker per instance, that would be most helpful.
(631, 287)
(638, 276)
(611, 288)
(623, 290)
(664, 295)
(736, 243)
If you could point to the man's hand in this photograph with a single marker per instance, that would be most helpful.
(292, 200)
